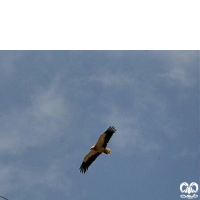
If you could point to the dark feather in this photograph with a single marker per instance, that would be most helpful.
(85, 165)
(109, 132)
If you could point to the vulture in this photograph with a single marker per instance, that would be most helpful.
(97, 149)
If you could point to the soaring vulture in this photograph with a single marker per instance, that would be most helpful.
(97, 149)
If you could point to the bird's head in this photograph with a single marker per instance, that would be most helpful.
(92, 147)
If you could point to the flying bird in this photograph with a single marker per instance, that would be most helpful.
(97, 149)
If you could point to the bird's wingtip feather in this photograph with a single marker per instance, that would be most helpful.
(112, 128)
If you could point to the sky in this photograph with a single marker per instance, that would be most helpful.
(55, 104)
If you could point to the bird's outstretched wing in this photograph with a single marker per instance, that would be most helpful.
(105, 137)
(88, 160)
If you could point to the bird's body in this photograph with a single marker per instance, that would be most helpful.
(100, 149)
(97, 149)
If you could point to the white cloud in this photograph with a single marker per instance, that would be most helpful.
(5, 174)
(48, 105)
(37, 124)
(129, 136)
(110, 79)
(180, 67)
(8, 61)
(19, 178)
(185, 153)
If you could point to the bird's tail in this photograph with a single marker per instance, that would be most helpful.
(107, 151)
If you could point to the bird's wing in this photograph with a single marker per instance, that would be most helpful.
(88, 160)
(105, 137)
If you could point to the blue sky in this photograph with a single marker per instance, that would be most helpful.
(55, 104)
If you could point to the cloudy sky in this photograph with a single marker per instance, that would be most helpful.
(55, 104)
